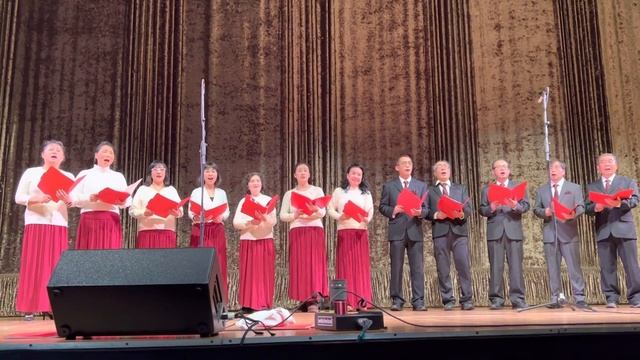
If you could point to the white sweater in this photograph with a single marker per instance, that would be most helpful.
(98, 178)
(264, 230)
(50, 213)
(287, 210)
(219, 198)
(340, 197)
(153, 222)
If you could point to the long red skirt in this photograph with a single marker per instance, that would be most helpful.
(99, 230)
(214, 237)
(42, 246)
(307, 263)
(352, 264)
(156, 239)
(257, 274)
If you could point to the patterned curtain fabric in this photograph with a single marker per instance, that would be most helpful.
(325, 82)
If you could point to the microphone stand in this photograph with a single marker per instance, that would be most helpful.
(544, 99)
(203, 161)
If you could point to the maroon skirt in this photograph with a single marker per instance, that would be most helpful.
(307, 262)
(42, 246)
(257, 274)
(156, 239)
(99, 230)
(352, 264)
(214, 237)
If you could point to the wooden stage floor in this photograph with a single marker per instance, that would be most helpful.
(16, 333)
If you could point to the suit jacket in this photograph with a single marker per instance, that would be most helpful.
(571, 197)
(504, 219)
(458, 226)
(402, 223)
(615, 221)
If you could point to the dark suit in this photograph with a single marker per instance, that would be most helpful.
(405, 232)
(567, 243)
(616, 235)
(451, 236)
(504, 237)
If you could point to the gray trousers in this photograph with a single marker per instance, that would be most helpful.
(571, 253)
(608, 252)
(443, 246)
(497, 250)
(416, 270)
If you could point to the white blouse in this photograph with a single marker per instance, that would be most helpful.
(96, 179)
(340, 197)
(287, 210)
(264, 230)
(219, 198)
(153, 222)
(50, 213)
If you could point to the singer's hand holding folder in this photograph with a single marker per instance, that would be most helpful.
(53, 180)
(162, 206)
(115, 197)
(562, 212)
(601, 198)
(450, 207)
(501, 194)
(410, 201)
(354, 211)
(303, 203)
(255, 210)
(209, 214)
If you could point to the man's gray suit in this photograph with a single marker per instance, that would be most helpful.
(451, 235)
(616, 235)
(405, 232)
(567, 243)
(505, 237)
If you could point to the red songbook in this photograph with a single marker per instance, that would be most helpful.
(209, 213)
(600, 198)
(354, 211)
(252, 208)
(53, 180)
(162, 206)
(562, 212)
(302, 202)
(449, 206)
(271, 205)
(409, 200)
(501, 194)
(111, 196)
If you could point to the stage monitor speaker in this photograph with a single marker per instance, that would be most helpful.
(137, 292)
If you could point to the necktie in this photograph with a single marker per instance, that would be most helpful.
(406, 184)
(606, 185)
(555, 191)
(444, 189)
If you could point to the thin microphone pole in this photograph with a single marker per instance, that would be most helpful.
(203, 161)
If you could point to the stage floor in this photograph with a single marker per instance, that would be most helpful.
(16, 334)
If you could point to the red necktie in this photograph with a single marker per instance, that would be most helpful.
(555, 191)
(606, 185)
(444, 189)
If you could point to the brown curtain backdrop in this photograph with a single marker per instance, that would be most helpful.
(325, 82)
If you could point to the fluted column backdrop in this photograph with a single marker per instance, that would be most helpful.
(325, 82)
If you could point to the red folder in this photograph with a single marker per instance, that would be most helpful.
(252, 208)
(562, 212)
(600, 198)
(111, 196)
(354, 211)
(53, 180)
(161, 205)
(271, 205)
(501, 194)
(409, 200)
(209, 213)
(449, 206)
(302, 202)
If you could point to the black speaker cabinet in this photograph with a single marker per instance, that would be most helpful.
(137, 292)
